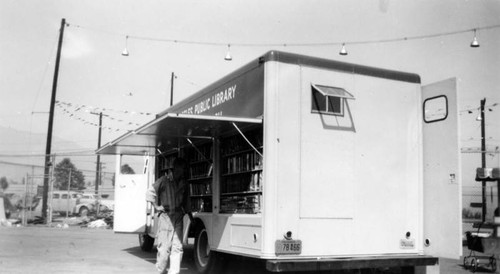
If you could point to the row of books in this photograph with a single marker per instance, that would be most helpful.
(201, 205)
(200, 170)
(245, 182)
(241, 204)
(238, 143)
(243, 162)
(200, 189)
(202, 153)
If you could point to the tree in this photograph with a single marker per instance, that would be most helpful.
(125, 169)
(4, 184)
(61, 172)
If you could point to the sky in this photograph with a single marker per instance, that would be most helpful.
(95, 77)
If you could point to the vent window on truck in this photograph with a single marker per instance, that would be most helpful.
(435, 109)
(329, 100)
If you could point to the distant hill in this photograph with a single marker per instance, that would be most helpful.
(22, 153)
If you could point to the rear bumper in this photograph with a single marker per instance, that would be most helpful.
(284, 265)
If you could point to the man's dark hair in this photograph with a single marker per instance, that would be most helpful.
(182, 163)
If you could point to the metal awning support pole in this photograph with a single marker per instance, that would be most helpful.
(197, 150)
(246, 139)
(203, 156)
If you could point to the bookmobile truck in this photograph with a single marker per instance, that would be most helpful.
(309, 164)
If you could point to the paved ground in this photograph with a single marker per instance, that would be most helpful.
(39, 249)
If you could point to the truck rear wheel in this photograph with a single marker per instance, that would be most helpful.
(146, 242)
(204, 259)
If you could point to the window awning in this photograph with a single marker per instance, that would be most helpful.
(172, 130)
(333, 91)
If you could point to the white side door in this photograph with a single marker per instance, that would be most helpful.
(130, 203)
(442, 180)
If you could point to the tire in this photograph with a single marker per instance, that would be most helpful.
(206, 261)
(146, 242)
(493, 264)
(473, 265)
(84, 211)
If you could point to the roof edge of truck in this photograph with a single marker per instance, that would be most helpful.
(298, 59)
(303, 60)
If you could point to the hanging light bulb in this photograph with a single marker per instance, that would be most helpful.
(479, 118)
(125, 51)
(343, 51)
(474, 43)
(228, 54)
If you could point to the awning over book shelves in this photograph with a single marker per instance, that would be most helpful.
(172, 130)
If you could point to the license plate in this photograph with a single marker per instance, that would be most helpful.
(288, 247)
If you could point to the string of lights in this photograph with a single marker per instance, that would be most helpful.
(472, 109)
(478, 110)
(288, 44)
(88, 108)
(343, 51)
(73, 113)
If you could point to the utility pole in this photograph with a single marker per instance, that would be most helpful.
(483, 154)
(98, 165)
(51, 121)
(172, 89)
(25, 216)
(69, 196)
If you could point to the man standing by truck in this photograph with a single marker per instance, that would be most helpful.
(169, 198)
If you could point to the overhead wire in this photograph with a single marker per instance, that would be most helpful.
(287, 44)
(40, 166)
(53, 49)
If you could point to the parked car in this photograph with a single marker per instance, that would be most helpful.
(91, 198)
(106, 204)
(71, 202)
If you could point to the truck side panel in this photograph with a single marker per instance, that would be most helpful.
(349, 184)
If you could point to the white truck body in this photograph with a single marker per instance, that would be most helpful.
(377, 181)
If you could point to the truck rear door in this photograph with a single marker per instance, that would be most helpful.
(442, 182)
(130, 203)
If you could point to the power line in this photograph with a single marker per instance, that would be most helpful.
(38, 166)
(75, 153)
(19, 164)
